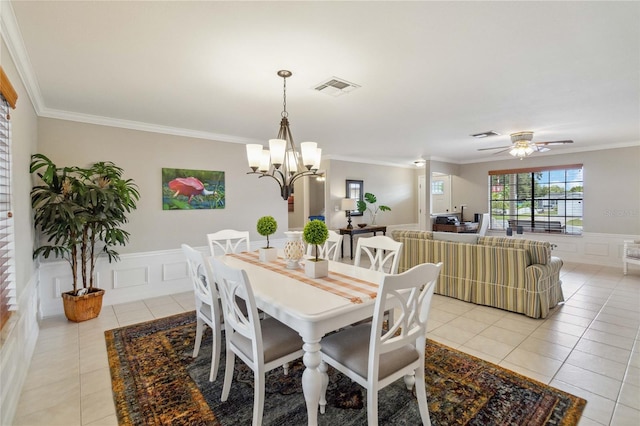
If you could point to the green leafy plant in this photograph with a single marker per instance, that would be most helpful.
(369, 205)
(315, 232)
(81, 212)
(266, 226)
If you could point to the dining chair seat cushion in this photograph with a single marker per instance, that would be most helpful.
(278, 340)
(351, 347)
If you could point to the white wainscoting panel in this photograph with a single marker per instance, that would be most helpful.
(123, 278)
(175, 271)
(151, 274)
(136, 276)
(19, 338)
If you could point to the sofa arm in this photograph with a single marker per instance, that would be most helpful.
(544, 288)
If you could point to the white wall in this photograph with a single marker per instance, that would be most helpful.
(611, 181)
(142, 155)
(611, 201)
(20, 334)
(393, 186)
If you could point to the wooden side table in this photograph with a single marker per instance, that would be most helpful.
(357, 230)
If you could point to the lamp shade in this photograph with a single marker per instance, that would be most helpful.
(349, 204)
(254, 152)
(277, 148)
(309, 152)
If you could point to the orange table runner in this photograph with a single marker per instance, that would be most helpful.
(353, 289)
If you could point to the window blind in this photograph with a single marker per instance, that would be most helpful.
(8, 299)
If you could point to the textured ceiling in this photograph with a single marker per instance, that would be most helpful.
(431, 73)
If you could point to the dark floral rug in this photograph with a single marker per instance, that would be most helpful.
(157, 382)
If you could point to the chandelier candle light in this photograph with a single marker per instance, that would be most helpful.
(282, 161)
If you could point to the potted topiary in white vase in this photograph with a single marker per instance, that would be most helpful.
(266, 226)
(315, 232)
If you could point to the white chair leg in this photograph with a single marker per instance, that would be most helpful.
(372, 407)
(325, 383)
(258, 397)
(421, 395)
(199, 332)
(228, 375)
(285, 367)
(215, 354)
(409, 381)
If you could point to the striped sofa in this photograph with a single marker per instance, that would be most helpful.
(508, 273)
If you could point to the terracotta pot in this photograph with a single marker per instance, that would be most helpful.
(82, 308)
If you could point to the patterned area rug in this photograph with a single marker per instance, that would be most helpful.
(157, 382)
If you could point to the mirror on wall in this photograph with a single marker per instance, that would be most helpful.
(355, 189)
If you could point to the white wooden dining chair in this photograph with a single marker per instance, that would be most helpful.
(484, 224)
(228, 241)
(330, 249)
(208, 310)
(383, 252)
(374, 357)
(261, 344)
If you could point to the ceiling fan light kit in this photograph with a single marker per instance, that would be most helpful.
(522, 145)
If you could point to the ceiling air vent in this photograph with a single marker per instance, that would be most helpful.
(485, 134)
(335, 87)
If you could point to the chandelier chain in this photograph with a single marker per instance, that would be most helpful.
(284, 98)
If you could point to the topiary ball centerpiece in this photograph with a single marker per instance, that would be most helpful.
(266, 226)
(315, 232)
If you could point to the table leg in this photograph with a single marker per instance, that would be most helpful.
(312, 379)
(342, 248)
(351, 245)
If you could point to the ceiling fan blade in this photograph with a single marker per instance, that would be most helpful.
(495, 147)
(552, 142)
(507, 148)
(541, 148)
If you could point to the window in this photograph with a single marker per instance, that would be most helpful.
(437, 187)
(541, 199)
(8, 302)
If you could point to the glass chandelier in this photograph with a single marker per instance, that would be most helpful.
(282, 161)
(521, 149)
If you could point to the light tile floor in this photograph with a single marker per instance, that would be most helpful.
(589, 347)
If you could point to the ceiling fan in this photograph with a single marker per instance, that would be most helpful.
(521, 145)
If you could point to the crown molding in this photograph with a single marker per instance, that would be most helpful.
(13, 38)
(142, 126)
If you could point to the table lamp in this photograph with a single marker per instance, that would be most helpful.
(348, 205)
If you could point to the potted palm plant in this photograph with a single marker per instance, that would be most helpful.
(369, 205)
(81, 212)
(315, 232)
(266, 226)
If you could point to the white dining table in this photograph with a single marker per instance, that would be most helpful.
(311, 311)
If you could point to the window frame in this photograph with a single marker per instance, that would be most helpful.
(537, 199)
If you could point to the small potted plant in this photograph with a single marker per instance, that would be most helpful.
(266, 226)
(369, 205)
(315, 232)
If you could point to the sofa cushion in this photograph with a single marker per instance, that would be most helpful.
(401, 234)
(456, 238)
(538, 251)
